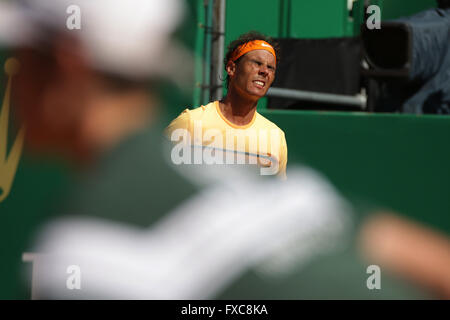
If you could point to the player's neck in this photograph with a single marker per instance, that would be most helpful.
(237, 109)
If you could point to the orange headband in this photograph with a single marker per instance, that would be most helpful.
(250, 46)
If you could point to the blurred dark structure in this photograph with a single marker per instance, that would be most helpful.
(409, 63)
(400, 68)
(311, 66)
(443, 4)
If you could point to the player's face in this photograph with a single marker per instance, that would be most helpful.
(253, 75)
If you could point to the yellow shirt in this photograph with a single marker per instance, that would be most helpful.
(207, 126)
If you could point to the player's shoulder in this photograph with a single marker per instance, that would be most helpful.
(199, 112)
(185, 118)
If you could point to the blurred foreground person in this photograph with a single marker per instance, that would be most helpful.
(410, 250)
(135, 227)
(81, 91)
(87, 95)
(90, 96)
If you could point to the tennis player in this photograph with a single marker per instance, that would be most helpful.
(250, 64)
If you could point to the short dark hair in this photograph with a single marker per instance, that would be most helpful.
(444, 4)
(246, 37)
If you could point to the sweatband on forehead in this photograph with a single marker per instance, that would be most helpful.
(250, 46)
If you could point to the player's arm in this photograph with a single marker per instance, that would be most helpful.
(283, 157)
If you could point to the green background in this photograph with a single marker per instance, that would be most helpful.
(399, 162)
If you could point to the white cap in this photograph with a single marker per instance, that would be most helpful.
(131, 37)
